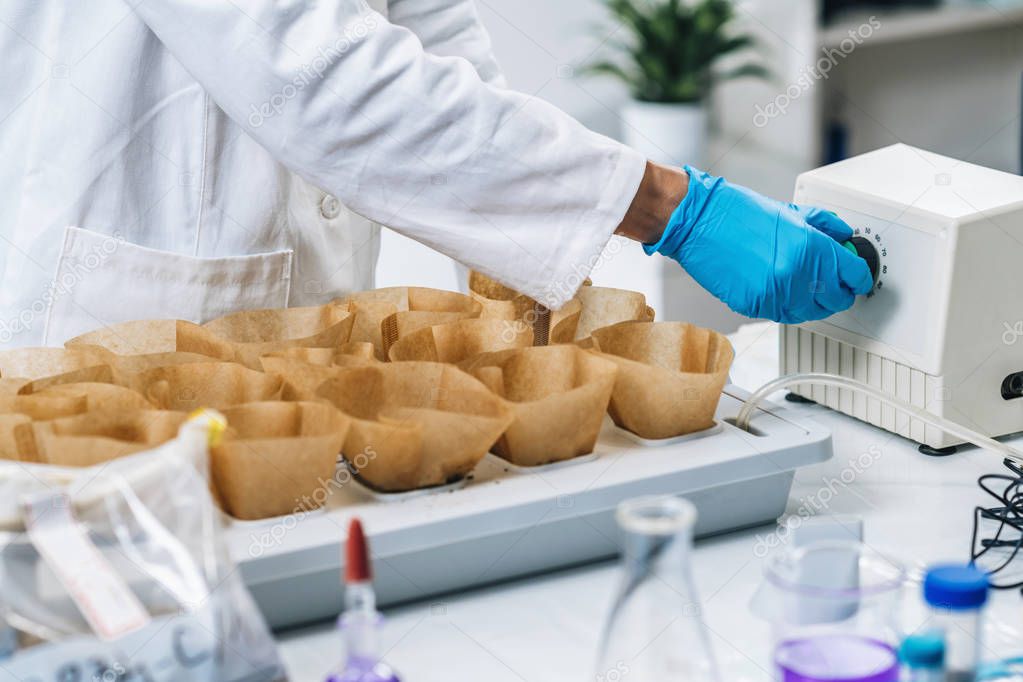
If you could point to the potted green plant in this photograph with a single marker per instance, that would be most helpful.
(670, 60)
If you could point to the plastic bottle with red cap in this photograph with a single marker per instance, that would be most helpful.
(360, 622)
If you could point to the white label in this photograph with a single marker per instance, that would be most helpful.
(106, 602)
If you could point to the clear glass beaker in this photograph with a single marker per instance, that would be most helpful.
(655, 630)
(834, 607)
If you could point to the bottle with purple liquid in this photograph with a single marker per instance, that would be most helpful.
(360, 622)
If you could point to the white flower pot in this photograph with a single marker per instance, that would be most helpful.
(672, 134)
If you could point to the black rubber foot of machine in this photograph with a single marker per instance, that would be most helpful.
(937, 452)
(924, 449)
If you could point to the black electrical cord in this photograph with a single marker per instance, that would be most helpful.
(1008, 515)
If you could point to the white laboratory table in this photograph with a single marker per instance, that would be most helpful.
(544, 629)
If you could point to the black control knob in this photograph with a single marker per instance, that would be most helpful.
(866, 250)
(1012, 386)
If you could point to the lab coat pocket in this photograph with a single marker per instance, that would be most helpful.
(103, 279)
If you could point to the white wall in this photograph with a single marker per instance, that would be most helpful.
(955, 95)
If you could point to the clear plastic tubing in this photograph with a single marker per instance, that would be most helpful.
(968, 435)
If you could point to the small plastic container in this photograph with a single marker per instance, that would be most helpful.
(956, 595)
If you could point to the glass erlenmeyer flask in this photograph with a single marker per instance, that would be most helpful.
(655, 631)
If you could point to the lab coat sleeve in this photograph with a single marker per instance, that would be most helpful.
(450, 28)
(502, 182)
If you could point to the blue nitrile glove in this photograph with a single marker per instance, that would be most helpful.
(762, 257)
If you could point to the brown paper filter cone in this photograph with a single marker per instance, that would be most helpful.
(499, 302)
(68, 399)
(405, 309)
(278, 324)
(670, 375)
(460, 340)
(155, 338)
(131, 338)
(147, 337)
(322, 357)
(369, 316)
(559, 395)
(88, 439)
(347, 354)
(565, 322)
(300, 378)
(254, 333)
(401, 324)
(16, 440)
(278, 458)
(98, 374)
(10, 388)
(205, 384)
(125, 367)
(603, 306)
(304, 369)
(355, 353)
(39, 363)
(133, 364)
(415, 424)
(503, 303)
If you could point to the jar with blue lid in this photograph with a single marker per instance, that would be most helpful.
(956, 595)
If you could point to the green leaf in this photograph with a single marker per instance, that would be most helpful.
(670, 48)
(745, 71)
(610, 69)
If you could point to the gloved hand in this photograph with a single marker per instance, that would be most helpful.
(762, 257)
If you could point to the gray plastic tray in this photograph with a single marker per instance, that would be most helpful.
(507, 522)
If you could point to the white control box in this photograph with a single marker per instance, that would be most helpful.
(943, 327)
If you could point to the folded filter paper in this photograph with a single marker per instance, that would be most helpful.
(240, 337)
(63, 400)
(503, 303)
(461, 340)
(41, 363)
(415, 424)
(603, 306)
(559, 395)
(670, 375)
(277, 457)
(95, 437)
(254, 333)
(205, 384)
(383, 316)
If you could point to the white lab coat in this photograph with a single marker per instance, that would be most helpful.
(187, 158)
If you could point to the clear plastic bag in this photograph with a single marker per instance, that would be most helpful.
(117, 572)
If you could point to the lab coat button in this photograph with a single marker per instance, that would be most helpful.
(330, 207)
